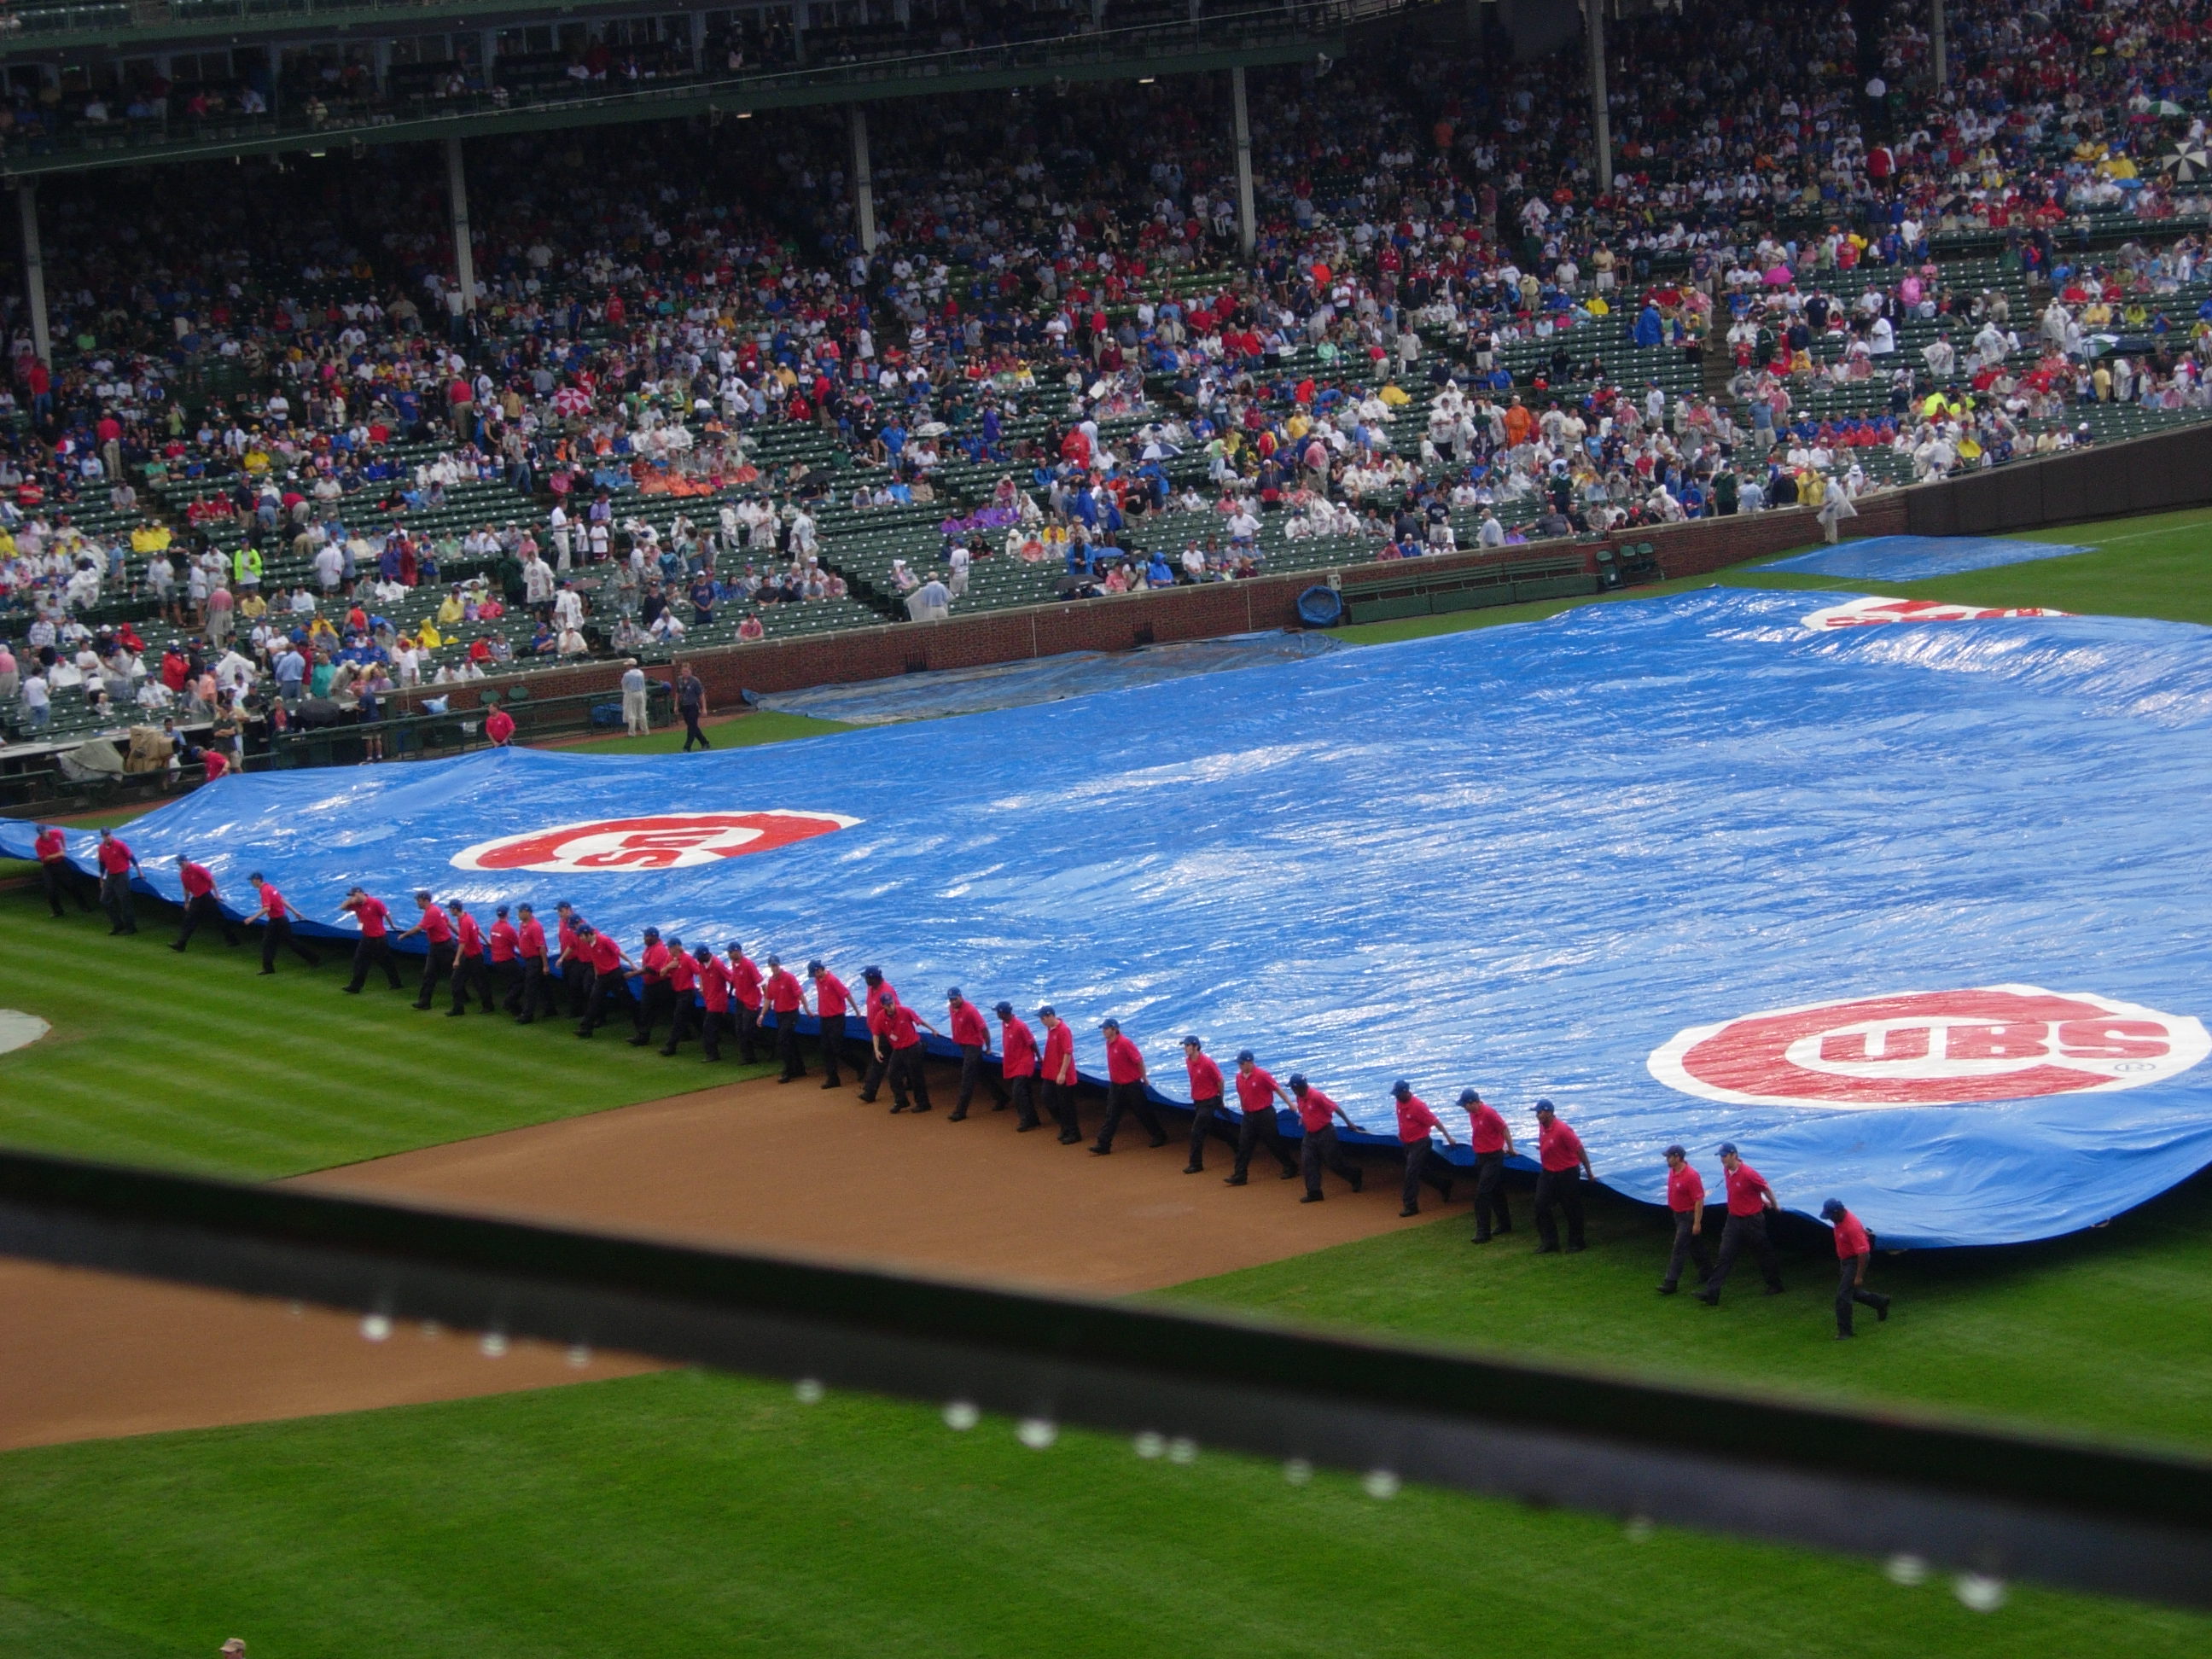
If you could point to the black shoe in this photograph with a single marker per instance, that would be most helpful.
(1288, 1175)
(1844, 1336)
(958, 1117)
(1359, 1181)
(1411, 1209)
(1194, 1169)
(1001, 1106)
(264, 973)
(1446, 1195)
(1575, 1250)
(526, 1019)
(350, 990)
(1234, 1180)
(1547, 1250)
(1310, 1198)
(176, 947)
(668, 1053)
(1669, 1290)
(924, 1106)
(1023, 1129)
(1102, 1152)
(831, 1083)
(1158, 1141)
(422, 1007)
(1070, 1140)
(1479, 1238)
(1711, 1298)
(112, 932)
(899, 1107)
(455, 1013)
(1506, 1227)
(639, 1041)
(1881, 1311)
(866, 1100)
(1772, 1290)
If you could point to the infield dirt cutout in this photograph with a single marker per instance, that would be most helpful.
(791, 1168)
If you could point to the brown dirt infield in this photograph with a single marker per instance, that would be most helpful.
(792, 1168)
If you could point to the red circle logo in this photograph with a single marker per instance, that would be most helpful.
(1931, 1048)
(1873, 611)
(677, 840)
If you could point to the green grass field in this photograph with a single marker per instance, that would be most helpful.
(683, 1514)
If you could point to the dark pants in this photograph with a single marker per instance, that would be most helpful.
(1060, 1101)
(60, 879)
(833, 1050)
(879, 1072)
(1848, 1291)
(471, 975)
(1742, 1231)
(907, 1079)
(1688, 1247)
(972, 1072)
(1207, 1117)
(692, 732)
(1022, 1090)
(748, 1018)
(1256, 1127)
(535, 992)
(1417, 1155)
(786, 1046)
(660, 999)
(610, 995)
(1320, 1151)
(1564, 1189)
(115, 899)
(683, 1019)
(508, 984)
(369, 953)
(576, 979)
(1129, 1097)
(278, 936)
(202, 909)
(712, 1024)
(436, 967)
(1491, 1214)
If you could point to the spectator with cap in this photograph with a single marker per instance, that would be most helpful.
(971, 1033)
(1561, 1165)
(1125, 1091)
(1205, 1109)
(1686, 1200)
(1492, 1143)
(1417, 1124)
(1854, 1251)
(1257, 1091)
(1318, 1116)
(1058, 1075)
(1750, 1198)
(1017, 1065)
(831, 1000)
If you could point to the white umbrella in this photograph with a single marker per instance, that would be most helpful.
(2188, 163)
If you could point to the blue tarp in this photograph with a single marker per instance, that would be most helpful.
(1917, 913)
(1041, 679)
(1916, 558)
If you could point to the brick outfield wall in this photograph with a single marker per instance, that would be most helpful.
(2170, 470)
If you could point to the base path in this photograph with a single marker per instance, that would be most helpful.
(790, 1167)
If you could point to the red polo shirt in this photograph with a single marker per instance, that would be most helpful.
(654, 963)
(1415, 1120)
(1205, 1076)
(471, 935)
(968, 1025)
(747, 980)
(373, 917)
(1315, 1110)
(505, 941)
(198, 878)
(830, 996)
(715, 985)
(1060, 1054)
(436, 927)
(1256, 1089)
(115, 855)
(568, 939)
(682, 973)
(1747, 1190)
(49, 846)
(273, 902)
(1018, 1044)
(1487, 1129)
(1558, 1146)
(1125, 1061)
(606, 955)
(1850, 1237)
(782, 992)
(1686, 1190)
(530, 940)
(901, 1030)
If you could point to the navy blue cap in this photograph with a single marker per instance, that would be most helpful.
(1468, 1098)
(816, 967)
(1833, 1209)
(500, 910)
(953, 993)
(1191, 1041)
(1676, 1152)
(873, 976)
(1109, 1024)
(454, 904)
(652, 932)
(1298, 1082)
(1543, 1106)
(1401, 1088)
(1728, 1150)
(1244, 1055)
(1004, 1010)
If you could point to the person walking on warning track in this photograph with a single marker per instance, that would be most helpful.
(1416, 1125)
(831, 1000)
(54, 869)
(1058, 1075)
(1318, 1115)
(1018, 1067)
(1686, 1200)
(1207, 1115)
(783, 996)
(654, 998)
(901, 1042)
(690, 703)
(714, 987)
(682, 977)
(1561, 1165)
(438, 933)
(1257, 1092)
(201, 905)
(610, 966)
(536, 997)
(1492, 1143)
(470, 973)
(118, 863)
(374, 948)
(1750, 1198)
(634, 723)
(745, 995)
(1125, 1091)
(1854, 1250)
(971, 1035)
(276, 914)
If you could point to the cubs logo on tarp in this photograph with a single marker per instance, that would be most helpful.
(1932, 1048)
(1870, 612)
(670, 840)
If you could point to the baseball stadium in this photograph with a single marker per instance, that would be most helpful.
(1379, 828)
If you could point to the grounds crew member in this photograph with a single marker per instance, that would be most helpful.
(682, 977)
(1416, 1124)
(1317, 1116)
(201, 904)
(781, 990)
(655, 996)
(1854, 1250)
(609, 965)
(374, 948)
(831, 1000)
(51, 848)
(1750, 1198)
(1686, 1198)
(1060, 1075)
(971, 1033)
(745, 995)
(116, 863)
(469, 971)
(1492, 1143)
(1018, 1066)
(503, 948)
(575, 963)
(276, 914)
(904, 1043)
(438, 933)
(1256, 1094)
(879, 1058)
(1206, 1114)
(535, 994)
(1561, 1165)
(715, 985)
(1125, 1090)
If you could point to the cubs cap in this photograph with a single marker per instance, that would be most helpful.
(1545, 1108)
(1298, 1082)
(1191, 1041)
(1004, 1010)
(1676, 1152)
(1468, 1098)
(1401, 1088)
(1833, 1209)
(1109, 1024)
(1728, 1150)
